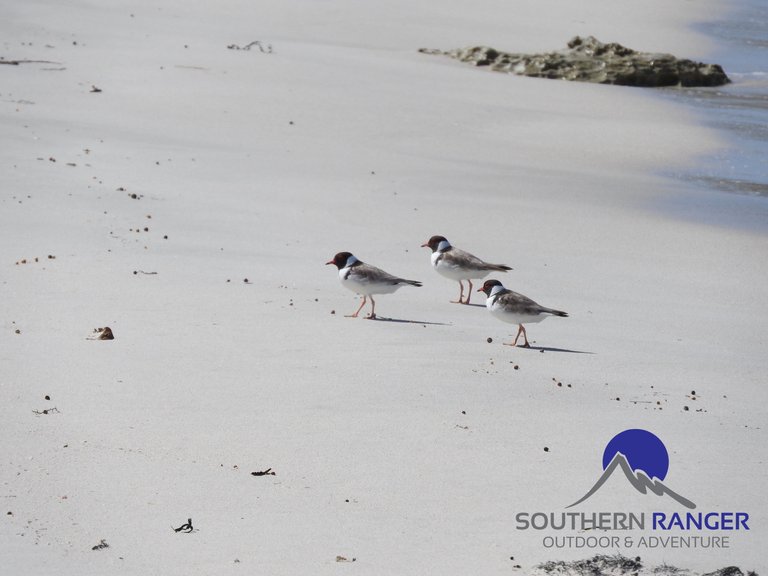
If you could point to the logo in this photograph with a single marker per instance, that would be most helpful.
(643, 459)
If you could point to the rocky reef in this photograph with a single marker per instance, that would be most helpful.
(589, 60)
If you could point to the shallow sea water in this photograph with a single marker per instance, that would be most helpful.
(740, 111)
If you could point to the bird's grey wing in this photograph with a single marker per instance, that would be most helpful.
(519, 303)
(466, 260)
(368, 273)
(471, 262)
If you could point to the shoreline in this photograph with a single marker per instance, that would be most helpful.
(737, 111)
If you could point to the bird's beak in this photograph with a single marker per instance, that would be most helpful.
(479, 290)
(331, 262)
(425, 245)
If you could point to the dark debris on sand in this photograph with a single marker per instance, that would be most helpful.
(618, 565)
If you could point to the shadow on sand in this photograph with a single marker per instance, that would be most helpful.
(405, 321)
(550, 349)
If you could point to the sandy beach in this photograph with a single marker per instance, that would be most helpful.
(160, 179)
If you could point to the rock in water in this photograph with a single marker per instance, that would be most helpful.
(589, 60)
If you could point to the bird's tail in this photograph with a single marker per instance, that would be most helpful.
(412, 283)
(556, 312)
(499, 267)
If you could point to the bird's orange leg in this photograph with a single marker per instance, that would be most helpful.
(461, 294)
(372, 315)
(525, 336)
(469, 293)
(358, 310)
(520, 330)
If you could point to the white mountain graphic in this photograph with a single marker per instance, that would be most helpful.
(639, 480)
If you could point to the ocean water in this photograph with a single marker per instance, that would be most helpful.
(739, 111)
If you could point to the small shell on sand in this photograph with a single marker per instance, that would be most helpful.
(102, 334)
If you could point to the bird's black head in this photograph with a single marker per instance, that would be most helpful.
(489, 286)
(340, 260)
(435, 242)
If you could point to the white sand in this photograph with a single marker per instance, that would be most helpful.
(408, 446)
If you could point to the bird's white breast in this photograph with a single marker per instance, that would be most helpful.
(348, 280)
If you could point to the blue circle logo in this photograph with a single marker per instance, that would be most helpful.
(643, 451)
